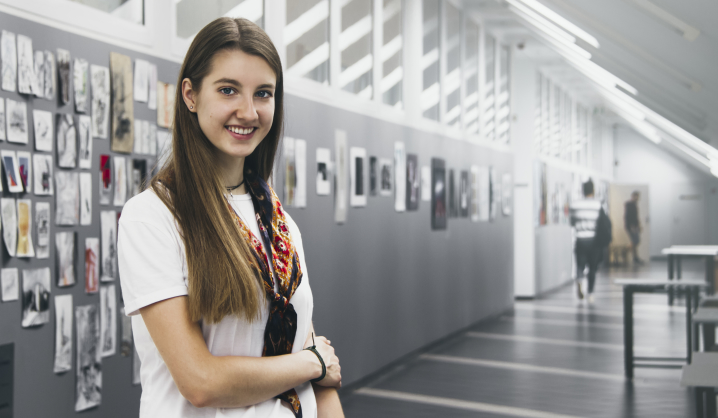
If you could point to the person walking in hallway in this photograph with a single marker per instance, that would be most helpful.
(633, 224)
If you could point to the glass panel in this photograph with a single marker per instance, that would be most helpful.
(490, 89)
(503, 102)
(355, 44)
(391, 54)
(431, 92)
(131, 10)
(193, 15)
(307, 39)
(471, 77)
(452, 78)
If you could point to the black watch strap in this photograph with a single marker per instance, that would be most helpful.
(313, 349)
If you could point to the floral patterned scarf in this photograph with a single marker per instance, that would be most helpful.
(282, 323)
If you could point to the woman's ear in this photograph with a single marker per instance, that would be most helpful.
(188, 95)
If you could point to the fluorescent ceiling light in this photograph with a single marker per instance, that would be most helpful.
(562, 22)
(542, 22)
(548, 31)
(689, 32)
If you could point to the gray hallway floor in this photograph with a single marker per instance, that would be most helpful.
(550, 357)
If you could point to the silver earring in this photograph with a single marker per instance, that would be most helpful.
(191, 107)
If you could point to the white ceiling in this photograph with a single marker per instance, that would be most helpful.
(675, 76)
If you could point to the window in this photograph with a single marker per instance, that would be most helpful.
(130, 10)
(431, 92)
(471, 77)
(355, 44)
(306, 37)
(392, 46)
(503, 101)
(452, 79)
(193, 15)
(490, 89)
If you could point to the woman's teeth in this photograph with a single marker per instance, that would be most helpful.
(240, 131)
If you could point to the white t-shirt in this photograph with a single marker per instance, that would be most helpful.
(153, 268)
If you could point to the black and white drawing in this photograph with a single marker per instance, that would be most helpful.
(43, 174)
(152, 94)
(63, 72)
(484, 193)
(452, 195)
(141, 126)
(89, 357)
(9, 61)
(126, 342)
(9, 220)
(63, 333)
(81, 84)
(100, 100)
(26, 66)
(438, 194)
(85, 198)
(108, 320)
(108, 226)
(12, 171)
(426, 183)
(138, 176)
(373, 176)
(142, 73)
(120, 181)
(42, 222)
(66, 141)
(24, 166)
(357, 179)
(38, 87)
(122, 103)
(65, 248)
(152, 138)
(35, 297)
(84, 135)
(67, 198)
(399, 177)
(3, 136)
(49, 74)
(323, 170)
(16, 121)
(44, 132)
(340, 176)
(413, 182)
(10, 284)
(506, 194)
(464, 194)
(385, 177)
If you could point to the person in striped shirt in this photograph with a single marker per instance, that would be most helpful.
(584, 217)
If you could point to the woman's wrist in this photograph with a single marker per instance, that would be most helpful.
(313, 364)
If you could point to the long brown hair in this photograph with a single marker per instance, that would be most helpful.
(222, 279)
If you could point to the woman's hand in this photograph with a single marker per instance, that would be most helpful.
(333, 377)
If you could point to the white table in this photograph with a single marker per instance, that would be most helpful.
(677, 252)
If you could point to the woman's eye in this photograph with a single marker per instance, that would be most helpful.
(226, 90)
(264, 94)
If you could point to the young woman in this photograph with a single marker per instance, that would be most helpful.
(212, 268)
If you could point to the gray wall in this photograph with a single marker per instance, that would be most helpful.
(384, 283)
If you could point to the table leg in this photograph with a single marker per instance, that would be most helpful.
(698, 392)
(679, 269)
(689, 323)
(710, 402)
(710, 274)
(670, 277)
(628, 331)
(696, 337)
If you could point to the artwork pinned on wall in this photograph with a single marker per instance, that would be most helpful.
(138, 176)
(105, 179)
(63, 72)
(49, 72)
(9, 61)
(385, 177)
(357, 177)
(484, 179)
(12, 171)
(141, 127)
(413, 182)
(108, 263)
(38, 87)
(122, 103)
(65, 248)
(3, 136)
(323, 171)
(474, 180)
(464, 194)
(373, 176)
(151, 139)
(35, 297)
(165, 104)
(290, 179)
(85, 198)
(66, 141)
(25, 249)
(426, 193)
(126, 333)
(300, 173)
(67, 198)
(399, 177)
(92, 265)
(84, 135)
(63, 333)
(340, 176)
(506, 194)
(26, 67)
(16, 121)
(438, 194)
(44, 132)
(89, 358)
(9, 283)
(81, 84)
(493, 193)
(452, 195)
(120, 177)
(24, 166)
(100, 77)
(141, 79)
(43, 173)
(9, 220)
(108, 320)
(42, 222)
(152, 91)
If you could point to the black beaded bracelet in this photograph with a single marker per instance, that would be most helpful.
(313, 349)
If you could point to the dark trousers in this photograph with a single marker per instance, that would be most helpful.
(587, 255)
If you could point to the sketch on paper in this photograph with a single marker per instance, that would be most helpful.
(165, 104)
(142, 73)
(126, 342)
(24, 229)
(100, 100)
(290, 179)
(108, 320)
(9, 220)
(140, 134)
(400, 195)
(84, 155)
(152, 138)
(373, 176)
(85, 198)
(506, 194)
(493, 193)
(66, 141)
(26, 67)
(89, 358)
(38, 86)
(9, 61)
(67, 198)
(438, 194)
(122, 106)
(323, 162)
(464, 194)
(451, 195)
(357, 177)
(105, 179)
(92, 266)
(12, 171)
(10, 284)
(340, 176)
(16, 121)
(81, 84)
(474, 193)
(63, 333)
(44, 133)
(120, 181)
(152, 94)
(42, 222)
(35, 297)
(63, 71)
(426, 192)
(484, 202)
(49, 74)
(3, 136)
(385, 177)
(108, 227)
(44, 182)
(300, 173)
(24, 164)
(65, 247)
(413, 182)
(138, 176)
